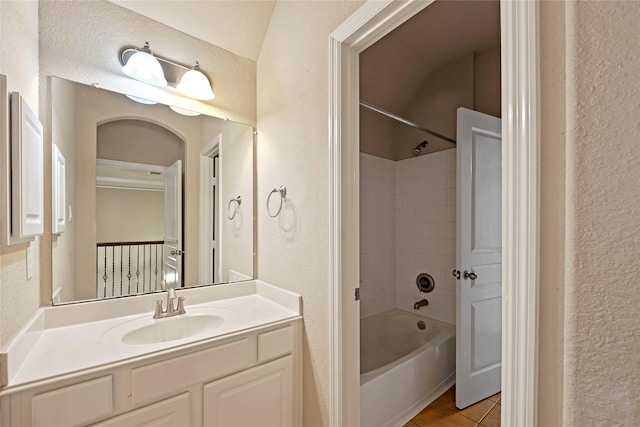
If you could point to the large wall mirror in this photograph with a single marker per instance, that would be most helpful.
(146, 195)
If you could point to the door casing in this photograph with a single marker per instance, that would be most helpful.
(520, 210)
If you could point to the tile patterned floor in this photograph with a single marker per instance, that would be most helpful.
(443, 413)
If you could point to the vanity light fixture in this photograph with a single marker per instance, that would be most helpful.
(196, 85)
(143, 66)
(184, 111)
(141, 100)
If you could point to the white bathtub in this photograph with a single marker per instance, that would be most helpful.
(403, 368)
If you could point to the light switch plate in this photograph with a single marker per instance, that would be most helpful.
(29, 262)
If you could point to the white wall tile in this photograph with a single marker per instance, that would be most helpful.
(408, 227)
(426, 244)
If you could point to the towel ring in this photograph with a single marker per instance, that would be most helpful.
(283, 193)
(237, 200)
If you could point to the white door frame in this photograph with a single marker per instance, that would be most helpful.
(207, 153)
(520, 76)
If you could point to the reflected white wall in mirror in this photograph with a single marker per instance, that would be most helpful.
(117, 152)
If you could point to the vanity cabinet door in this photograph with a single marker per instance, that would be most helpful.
(260, 396)
(173, 412)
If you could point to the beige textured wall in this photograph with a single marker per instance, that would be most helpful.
(19, 297)
(486, 82)
(602, 332)
(293, 249)
(552, 213)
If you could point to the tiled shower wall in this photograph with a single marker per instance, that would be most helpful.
(377, 234)
(426, 232)
(422, 226)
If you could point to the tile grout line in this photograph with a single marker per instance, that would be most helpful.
(485, 415)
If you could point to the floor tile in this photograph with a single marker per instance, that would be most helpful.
(456, 420)
(443, 413)
(448, 399)
(493, 417)
(433, 414)
(439, 416)
(477, 411)
(494, 398)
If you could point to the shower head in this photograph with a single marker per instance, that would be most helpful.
(416, 151)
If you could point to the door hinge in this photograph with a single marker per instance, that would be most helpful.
(357, 294)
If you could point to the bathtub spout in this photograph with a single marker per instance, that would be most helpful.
(420, 303)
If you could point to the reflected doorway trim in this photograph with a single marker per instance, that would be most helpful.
(520, 76)
(209, 246)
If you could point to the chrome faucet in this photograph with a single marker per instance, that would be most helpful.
(421, 303)
(171, 310)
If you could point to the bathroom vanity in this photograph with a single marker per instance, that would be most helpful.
(233, 359)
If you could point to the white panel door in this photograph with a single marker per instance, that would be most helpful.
(173, 225)
(479, 255)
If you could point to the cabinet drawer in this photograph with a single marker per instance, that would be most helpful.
(274, 344)
(164, 378)
(73, 405)
(174, 412)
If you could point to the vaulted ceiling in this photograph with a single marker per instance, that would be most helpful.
(395, 67)
(236, 26)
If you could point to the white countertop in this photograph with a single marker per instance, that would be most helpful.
(51, 347)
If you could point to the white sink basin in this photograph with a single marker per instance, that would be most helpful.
(146, 330)
(172, 328)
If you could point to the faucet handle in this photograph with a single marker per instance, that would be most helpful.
(181, 309)
(158, 313)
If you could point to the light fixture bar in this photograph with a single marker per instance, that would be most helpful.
(173, 71)
(156, 70)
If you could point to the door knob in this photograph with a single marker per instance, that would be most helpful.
(178, 252)
(470, 275)
(456, 274)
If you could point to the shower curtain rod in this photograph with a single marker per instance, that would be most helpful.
(405, 121)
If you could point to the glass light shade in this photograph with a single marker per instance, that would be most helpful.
(196, 85)
(184, 111)
(144, 67)
(141, 100)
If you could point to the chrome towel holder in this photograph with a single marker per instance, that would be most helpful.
(283, 193)
(236, 207)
